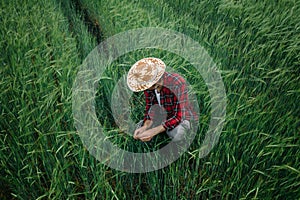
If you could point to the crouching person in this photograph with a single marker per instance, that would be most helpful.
(167, 106)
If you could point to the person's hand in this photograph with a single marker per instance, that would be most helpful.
(146, 139)
(147, 135)
(138, 131)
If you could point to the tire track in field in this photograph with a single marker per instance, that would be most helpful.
(89, 20)
(75, 8)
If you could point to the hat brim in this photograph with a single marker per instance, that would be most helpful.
(145, 73)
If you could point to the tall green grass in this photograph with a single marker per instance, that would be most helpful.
(256, 46)
(39, 60)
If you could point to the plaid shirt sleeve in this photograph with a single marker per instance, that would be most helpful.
(149, 103)
(179, 104)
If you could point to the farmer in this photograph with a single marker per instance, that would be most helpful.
(167, 104)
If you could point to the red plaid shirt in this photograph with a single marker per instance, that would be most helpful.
(173, 98)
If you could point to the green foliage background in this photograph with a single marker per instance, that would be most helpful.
(256, 45)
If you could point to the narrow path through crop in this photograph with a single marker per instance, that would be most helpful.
(90, 21)
(71, 8)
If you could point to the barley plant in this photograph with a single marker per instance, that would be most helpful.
(256, 46)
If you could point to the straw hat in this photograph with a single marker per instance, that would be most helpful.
(145, 73)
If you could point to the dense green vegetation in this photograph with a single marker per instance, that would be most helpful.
(256, 45)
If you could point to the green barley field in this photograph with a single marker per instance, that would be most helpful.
(256, 46)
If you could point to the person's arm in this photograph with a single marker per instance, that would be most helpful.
(148, 124)
(148, 104)
(147, 119)
(181, 94)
